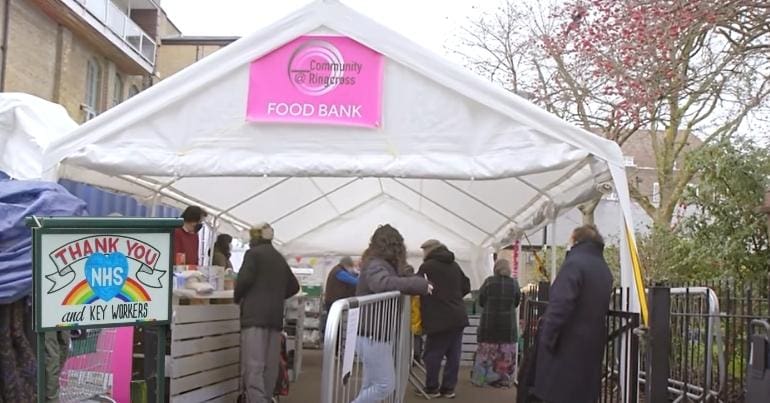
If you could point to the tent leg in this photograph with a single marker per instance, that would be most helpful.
(154, 206)
(553, 251)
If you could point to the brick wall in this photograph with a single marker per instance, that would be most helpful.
(31, 63)
(172, 58)
(47, 60)
(644, 174)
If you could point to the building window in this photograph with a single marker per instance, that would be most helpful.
(117, 90)
(629, 160)
(133, 90)
(656, 194)
(93, 89)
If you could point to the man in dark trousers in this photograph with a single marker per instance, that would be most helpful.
(264, 282)
(444, 318)
(574, 332)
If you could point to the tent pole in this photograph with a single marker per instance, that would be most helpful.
(369, 201)
(250, 198)
(306, 205)
(326, 196)
(519, 211)
(553, 251)
(154, 205)
(179, 197)
(156, 196)
(327, 222)
(477, 200)
(212, 239)
(441, 206)
(410, 208)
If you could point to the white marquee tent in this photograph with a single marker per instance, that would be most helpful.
(456, 158)
(28, 124)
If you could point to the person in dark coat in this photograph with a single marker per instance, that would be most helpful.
(444, 317)
(341, 282)
(383, 269)
(222, 251)
(497, 337)
(264, 282)
(574, 333)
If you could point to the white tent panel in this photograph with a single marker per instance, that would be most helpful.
(28, 124)
(349, 235)
(440, 123)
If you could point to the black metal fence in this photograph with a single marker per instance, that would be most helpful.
(710, 338)
(620, 365)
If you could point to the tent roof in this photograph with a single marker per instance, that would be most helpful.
(453, 148)
(27, 125)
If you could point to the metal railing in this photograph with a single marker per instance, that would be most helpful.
(697, 340)
(710, 331)
(367, 349)
(620, 365)
(122, 25)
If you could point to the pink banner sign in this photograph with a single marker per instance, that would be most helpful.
(317, 80)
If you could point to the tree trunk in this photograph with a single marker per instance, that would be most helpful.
(588, 209)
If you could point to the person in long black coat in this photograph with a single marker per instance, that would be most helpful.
(574, 333)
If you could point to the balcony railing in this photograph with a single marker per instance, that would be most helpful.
(118, 22)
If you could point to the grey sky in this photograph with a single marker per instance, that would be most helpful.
(431, 23)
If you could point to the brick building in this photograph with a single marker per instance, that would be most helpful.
(87, 55)
(90, 55)
(178, 52)
(640, 163)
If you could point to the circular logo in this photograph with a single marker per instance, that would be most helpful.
(316, 68)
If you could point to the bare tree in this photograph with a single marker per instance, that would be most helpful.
(668, 70)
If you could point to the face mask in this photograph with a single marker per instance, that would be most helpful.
(198, 227)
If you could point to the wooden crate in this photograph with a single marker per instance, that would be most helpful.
(205, 356)
(469, 341)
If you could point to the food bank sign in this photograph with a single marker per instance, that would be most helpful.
(317, 80)
(103, 279)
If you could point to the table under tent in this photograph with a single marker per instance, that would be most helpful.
(448, 156)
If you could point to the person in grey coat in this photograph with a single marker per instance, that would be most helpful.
(383, 269)
(574, 332)
(264, 282)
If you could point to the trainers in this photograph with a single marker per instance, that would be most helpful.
(429, 395)
(449, 395)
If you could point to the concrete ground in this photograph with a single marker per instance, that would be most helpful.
(309, 386)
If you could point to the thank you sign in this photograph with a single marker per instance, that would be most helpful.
(103, 279)
(317, 80)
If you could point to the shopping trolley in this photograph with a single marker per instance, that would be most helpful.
(86, 375)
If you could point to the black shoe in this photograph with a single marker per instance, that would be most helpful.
(448, 395)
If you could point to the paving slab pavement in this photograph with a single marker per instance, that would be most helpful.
(308, 388)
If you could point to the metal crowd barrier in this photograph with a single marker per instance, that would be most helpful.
(378, 326)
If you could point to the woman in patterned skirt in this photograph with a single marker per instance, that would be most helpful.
(498, 332)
